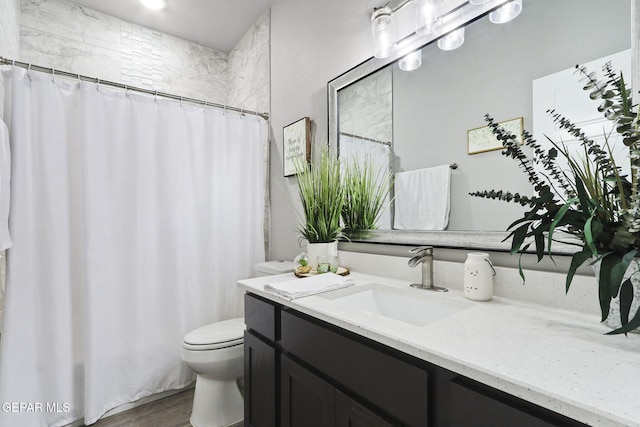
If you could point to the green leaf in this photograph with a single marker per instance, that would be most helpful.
(518, 238)
(577, 260)
(588, 235)
(540, 246)
(557, 218)
(582, 197)
(626, 298)
(609, 261)
(618, 270)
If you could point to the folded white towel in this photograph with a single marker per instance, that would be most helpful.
(422, 199)
(298, 288)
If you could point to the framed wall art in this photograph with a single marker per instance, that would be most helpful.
(297, 145)
(482, 139)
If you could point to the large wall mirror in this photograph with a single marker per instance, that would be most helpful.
(422, 117)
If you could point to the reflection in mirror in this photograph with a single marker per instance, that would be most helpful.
(434, 106)
(366, 127)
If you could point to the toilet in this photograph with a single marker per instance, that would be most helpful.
(216, 353)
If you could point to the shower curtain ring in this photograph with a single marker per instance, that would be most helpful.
(97, 85)
(53, 75)
(155, 96)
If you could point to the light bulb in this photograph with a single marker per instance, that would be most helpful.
(383, 32)
(154, 4)
(411, 61)
(506, 12)
(427, 15)
(453, 40)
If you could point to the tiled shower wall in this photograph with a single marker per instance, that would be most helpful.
(69, 37)
(249, 88)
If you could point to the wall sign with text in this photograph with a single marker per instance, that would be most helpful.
(297, 145)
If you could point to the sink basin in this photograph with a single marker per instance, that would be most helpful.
(415, 307)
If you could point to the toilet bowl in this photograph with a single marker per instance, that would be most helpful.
(215, 352)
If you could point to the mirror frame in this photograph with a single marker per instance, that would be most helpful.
(463, 13)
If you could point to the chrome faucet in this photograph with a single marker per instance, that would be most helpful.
(425, 256)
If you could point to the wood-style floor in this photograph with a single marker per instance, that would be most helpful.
(172, 411)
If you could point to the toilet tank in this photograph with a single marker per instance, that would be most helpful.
(269, 268)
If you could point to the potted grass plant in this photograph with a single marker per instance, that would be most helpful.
(591, 198)
(366, 191)
(322, 196)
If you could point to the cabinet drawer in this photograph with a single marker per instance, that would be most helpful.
(379, 378)
(261, 316)
(472, 404)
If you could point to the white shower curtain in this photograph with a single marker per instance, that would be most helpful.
(132, 218)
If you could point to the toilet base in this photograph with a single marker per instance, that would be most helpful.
(216, 403)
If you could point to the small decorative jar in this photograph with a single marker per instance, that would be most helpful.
(478, 277)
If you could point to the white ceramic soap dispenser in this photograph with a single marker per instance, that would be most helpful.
(478, 277)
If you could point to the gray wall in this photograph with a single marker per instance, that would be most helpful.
(435, 105)
(312, 42)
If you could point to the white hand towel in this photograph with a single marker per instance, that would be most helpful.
(422, 199)
(5, 180)
(298, 288)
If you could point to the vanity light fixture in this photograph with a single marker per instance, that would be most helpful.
(383, 32)
(411, 61)
(427, 15)
(453, 40)
(154, 4)
(506, 12)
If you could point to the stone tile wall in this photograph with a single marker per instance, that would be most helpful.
(69, 37)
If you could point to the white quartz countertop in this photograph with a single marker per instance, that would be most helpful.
(557, 359)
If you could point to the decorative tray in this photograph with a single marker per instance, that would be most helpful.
(342, 271)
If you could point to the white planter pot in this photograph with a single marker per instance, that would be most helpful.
(314, 250)
(613, 320)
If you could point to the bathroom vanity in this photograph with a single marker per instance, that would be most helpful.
(329, 359)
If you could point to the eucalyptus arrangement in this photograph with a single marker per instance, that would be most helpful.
(590, 199)
(366, 190)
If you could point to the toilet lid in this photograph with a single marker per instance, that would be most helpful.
(216, 335)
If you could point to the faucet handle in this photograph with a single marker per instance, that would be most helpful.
(422, 250)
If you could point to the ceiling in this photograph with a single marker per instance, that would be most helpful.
(218, 24)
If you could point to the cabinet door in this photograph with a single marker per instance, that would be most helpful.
(475, 405)
(259, 382)
(350, 413)
(306, 400)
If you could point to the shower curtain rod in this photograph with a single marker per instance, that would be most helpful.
(364, 138)
(54, 72)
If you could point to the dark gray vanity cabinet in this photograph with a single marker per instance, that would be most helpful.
(303, 372)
